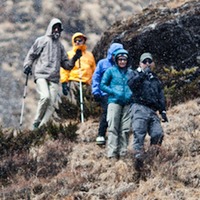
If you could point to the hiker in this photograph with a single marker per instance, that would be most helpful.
(82, 71)
(148, 98)
(46, 56)
(114, 83)
(100, 96)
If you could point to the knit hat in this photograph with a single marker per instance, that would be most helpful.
(120, 53)
(144, 56)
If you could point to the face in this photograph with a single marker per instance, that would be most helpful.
(79, 41)
(146, 63)
(122, 62)
(56, 30)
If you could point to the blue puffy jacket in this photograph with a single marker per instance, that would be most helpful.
(102, 66)
(114, 83)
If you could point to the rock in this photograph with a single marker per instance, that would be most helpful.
(171, 35)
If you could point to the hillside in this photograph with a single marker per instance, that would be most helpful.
(62, 161)
(62, 169)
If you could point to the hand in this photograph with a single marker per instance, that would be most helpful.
(97, 97)
(147, 70)
(77, 55)
(164, 116)
(28, 70)
(65, 88)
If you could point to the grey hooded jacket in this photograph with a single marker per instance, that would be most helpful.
(46, 56)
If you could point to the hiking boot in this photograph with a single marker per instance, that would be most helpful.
(139, 162)
(113, 159)
(100, 140)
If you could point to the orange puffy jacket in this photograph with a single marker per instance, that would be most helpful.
(87, 64)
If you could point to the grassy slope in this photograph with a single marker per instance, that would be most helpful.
(61, 169)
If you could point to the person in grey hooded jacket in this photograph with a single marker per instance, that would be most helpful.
(45, 57)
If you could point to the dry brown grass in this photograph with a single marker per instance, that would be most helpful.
(59, 169)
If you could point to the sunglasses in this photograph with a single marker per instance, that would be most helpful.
(122, 59)
(78, 40)
(147, 60)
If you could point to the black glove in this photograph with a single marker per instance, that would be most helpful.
(97, 97)
(65, 88)
(147, 70)
(77, 55)
(164, 116)
(28, 70)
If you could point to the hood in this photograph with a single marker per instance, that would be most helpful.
(78, 34)
(50, 26)
(82, 47)
(113, 47)
(121, 52)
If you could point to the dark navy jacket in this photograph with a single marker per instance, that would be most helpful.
(147, 90)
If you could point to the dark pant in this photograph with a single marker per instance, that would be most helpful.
(145, 120)
(103, 122)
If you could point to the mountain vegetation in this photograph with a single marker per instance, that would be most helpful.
(64, 162)
(61, 160)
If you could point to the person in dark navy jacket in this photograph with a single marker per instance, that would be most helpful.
(148, 98)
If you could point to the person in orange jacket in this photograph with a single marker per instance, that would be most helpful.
(82, 71)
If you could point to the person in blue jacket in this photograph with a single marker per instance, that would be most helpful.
(98, 94)
(114, 83)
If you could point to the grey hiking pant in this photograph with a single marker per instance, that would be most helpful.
(145, 120)
(119, 122)
(48, 92)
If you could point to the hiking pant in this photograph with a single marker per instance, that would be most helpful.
(118, 118)
(48, 92)
(145, 120)
(74, 92)
(103, 124)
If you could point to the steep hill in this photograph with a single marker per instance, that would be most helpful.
(50, 166)
(62, 162)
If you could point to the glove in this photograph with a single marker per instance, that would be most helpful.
(97, 97)
(77, 55)
(147, 70)
(164, 116)
(65, 88)
(28, 70)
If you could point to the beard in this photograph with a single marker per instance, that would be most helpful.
(55, 35)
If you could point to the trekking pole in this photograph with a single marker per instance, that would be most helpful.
(81, 92)
(23, 102)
